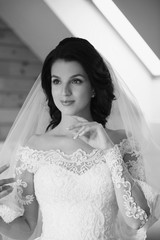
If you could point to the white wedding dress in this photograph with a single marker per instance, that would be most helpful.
(75, 193)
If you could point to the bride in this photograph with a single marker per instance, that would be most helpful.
(78, 153)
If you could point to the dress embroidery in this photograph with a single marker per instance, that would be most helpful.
(24, 200)
(79, 162)
(75, 193)
(136, 165)
(116, 167)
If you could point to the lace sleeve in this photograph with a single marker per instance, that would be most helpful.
(134, 162)
(133, 159)
(23, 189)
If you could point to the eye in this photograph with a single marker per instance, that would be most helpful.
(55, 81)
(77, 81)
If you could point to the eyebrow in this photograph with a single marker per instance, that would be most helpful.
(54, 76)
(75, 75)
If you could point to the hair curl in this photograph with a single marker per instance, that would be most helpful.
(80, 50)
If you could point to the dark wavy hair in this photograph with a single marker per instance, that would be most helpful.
(80, 50)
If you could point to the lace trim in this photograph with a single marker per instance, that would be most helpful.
(79, 155)
(33, 158)
(66, 156)
(126, 146)
(30, 159)
(78, 162)
(115, 164)
(24, 200)
(135, 166)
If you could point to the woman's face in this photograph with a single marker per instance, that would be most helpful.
(71, 88)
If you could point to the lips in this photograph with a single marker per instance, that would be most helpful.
(67, 102)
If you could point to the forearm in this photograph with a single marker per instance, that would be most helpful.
(18, 229)
(131, 201)
(130, 198)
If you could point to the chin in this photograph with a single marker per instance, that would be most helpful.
(73, 111)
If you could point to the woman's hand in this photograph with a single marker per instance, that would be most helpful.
(92, 133)
(5, 188)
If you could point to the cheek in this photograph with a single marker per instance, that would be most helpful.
(55, 93)
(86, 95)
(88, 91)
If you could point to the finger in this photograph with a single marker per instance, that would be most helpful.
(6, 181)
(84, 131)
(6, 190)
(77, 134)
(3, 168)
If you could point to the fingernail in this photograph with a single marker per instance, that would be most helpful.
(75, 136)
(81, 133)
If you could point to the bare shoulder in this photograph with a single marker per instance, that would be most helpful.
(45, 142)
(116, 136)
(36, 141)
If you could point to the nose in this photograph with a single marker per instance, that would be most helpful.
(66, 91)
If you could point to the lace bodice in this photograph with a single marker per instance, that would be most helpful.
(75, 192)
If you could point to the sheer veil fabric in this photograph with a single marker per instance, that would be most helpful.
(34, 118)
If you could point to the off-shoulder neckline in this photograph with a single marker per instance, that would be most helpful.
(62, 153)
(81, 151)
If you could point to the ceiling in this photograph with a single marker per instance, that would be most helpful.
(39, 27)
(144, 16)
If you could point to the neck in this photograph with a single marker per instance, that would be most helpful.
(66, 122)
